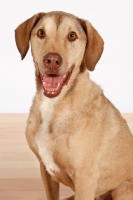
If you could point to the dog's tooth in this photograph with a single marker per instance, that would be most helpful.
(64, 76)
(58, 85)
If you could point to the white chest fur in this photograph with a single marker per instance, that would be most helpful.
(43, 138)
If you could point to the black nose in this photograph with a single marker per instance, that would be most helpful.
(52, 60)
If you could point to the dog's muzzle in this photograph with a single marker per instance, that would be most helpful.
(51, 81)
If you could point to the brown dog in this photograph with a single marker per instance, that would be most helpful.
(78, 136)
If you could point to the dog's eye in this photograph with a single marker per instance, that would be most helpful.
(40, 33)
(72, 36)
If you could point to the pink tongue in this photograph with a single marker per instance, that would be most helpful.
(53, 79)
(50, 82)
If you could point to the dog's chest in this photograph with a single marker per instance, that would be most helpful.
(47, 145)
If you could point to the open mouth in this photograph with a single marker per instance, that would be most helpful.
(53, 84)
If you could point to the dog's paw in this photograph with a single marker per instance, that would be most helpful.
(68, 198)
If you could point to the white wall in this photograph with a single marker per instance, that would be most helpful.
(114, 72)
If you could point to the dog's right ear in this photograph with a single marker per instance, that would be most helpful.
(23, 32)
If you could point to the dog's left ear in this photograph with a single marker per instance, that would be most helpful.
(23, 31)
(94, 46)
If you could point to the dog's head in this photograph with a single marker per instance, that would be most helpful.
(61, 44)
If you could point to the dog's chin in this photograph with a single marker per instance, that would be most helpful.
(53, 83)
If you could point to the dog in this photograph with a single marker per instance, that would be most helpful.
(77, 134)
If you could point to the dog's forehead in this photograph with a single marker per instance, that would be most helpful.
(56, 20)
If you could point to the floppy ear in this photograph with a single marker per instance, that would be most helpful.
(94, 46)
(22, 33)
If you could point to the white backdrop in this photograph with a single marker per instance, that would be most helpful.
(114, 72)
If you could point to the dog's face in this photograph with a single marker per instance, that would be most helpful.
(60, 42)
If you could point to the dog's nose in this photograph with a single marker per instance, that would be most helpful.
(52, 60)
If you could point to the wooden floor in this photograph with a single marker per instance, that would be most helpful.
(19, 169)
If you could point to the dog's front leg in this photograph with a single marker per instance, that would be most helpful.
(51, 187)
(85, 187)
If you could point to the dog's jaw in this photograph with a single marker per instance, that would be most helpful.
(52, 84)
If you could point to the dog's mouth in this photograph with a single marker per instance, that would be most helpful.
(53, 84)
